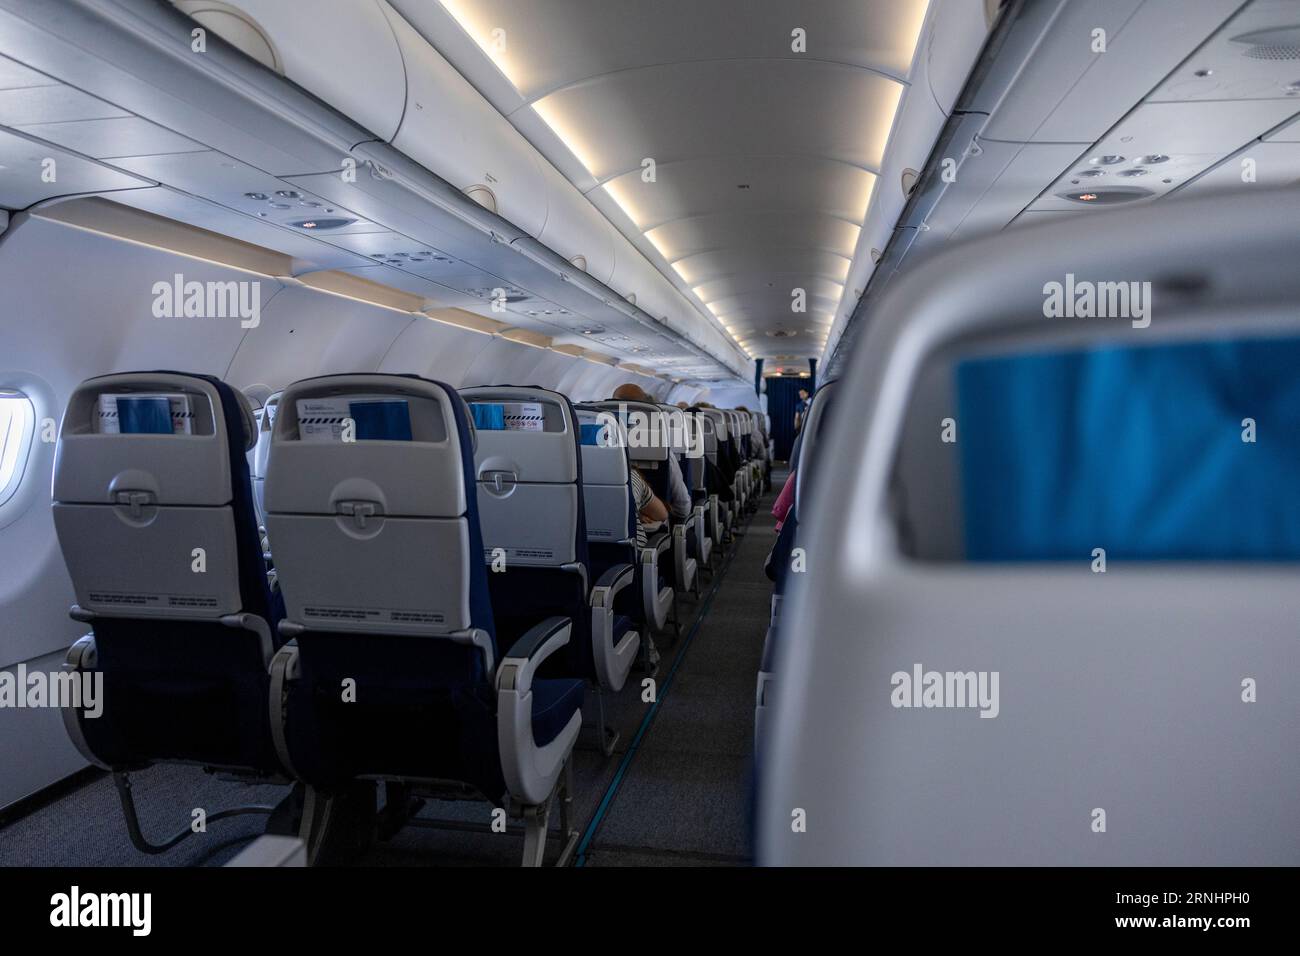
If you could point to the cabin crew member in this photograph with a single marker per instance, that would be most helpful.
(801, 409)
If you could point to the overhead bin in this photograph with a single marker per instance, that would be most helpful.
(577, 229)
(343, 51)
(422, 106)
(449, 128)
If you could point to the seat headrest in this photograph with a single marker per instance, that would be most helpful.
(160, 433)
(685, 434)
(647, 427)
(604, 447)
(392, 441)
(719, 419)
(530, 433)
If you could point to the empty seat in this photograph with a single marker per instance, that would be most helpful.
(154, 514)
(780, 560)
(398, 671)
(530, 481)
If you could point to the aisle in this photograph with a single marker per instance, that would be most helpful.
(684, 794)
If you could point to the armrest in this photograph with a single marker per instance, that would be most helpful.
(522, 660)
(660, 541)
(531, 771)
(611, 582)
(83, 656)
(655, 601)
(283, 671)
(683, 564)
(613, 661)
(700, 535)
(243, 621)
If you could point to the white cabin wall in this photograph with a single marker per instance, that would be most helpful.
(733, 397)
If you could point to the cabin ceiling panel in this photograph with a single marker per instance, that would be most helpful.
(1253, 57)
(52, 104)
(23, 179)
(754, 230)
(772, 306)
(614, 122)
(765, 150)
(717, 263)
(1274, 164)
(714, 184)
(113, 137)
(554, 43)
(13, 75)
(782, 283)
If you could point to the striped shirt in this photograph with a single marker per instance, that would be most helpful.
(641, 496)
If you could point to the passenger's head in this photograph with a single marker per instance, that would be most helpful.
(631, 392)
(803, 393)
(683, 404)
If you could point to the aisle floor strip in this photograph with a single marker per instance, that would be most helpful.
(660, 697)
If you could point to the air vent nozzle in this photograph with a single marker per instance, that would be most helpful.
(1275, 43)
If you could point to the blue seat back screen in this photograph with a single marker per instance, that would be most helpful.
(591, 433)
(144, 416)
(1136, 450)
(382, 420)
(488, 417)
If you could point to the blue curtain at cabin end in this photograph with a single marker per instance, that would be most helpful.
(1168, 452)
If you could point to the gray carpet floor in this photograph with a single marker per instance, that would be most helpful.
(686, 793)
(682, 797)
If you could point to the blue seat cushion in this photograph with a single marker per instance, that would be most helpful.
(554, 704)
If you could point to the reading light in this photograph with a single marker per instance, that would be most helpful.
(326, 224)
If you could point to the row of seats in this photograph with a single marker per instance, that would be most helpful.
(783, 558)
(375, 578)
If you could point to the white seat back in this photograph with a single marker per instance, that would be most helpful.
(144, 496)
(367, 506)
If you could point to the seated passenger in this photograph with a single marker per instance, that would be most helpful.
(650, 511)
(784, 501)
(680, 505)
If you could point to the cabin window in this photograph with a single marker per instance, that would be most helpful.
(17, 419)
